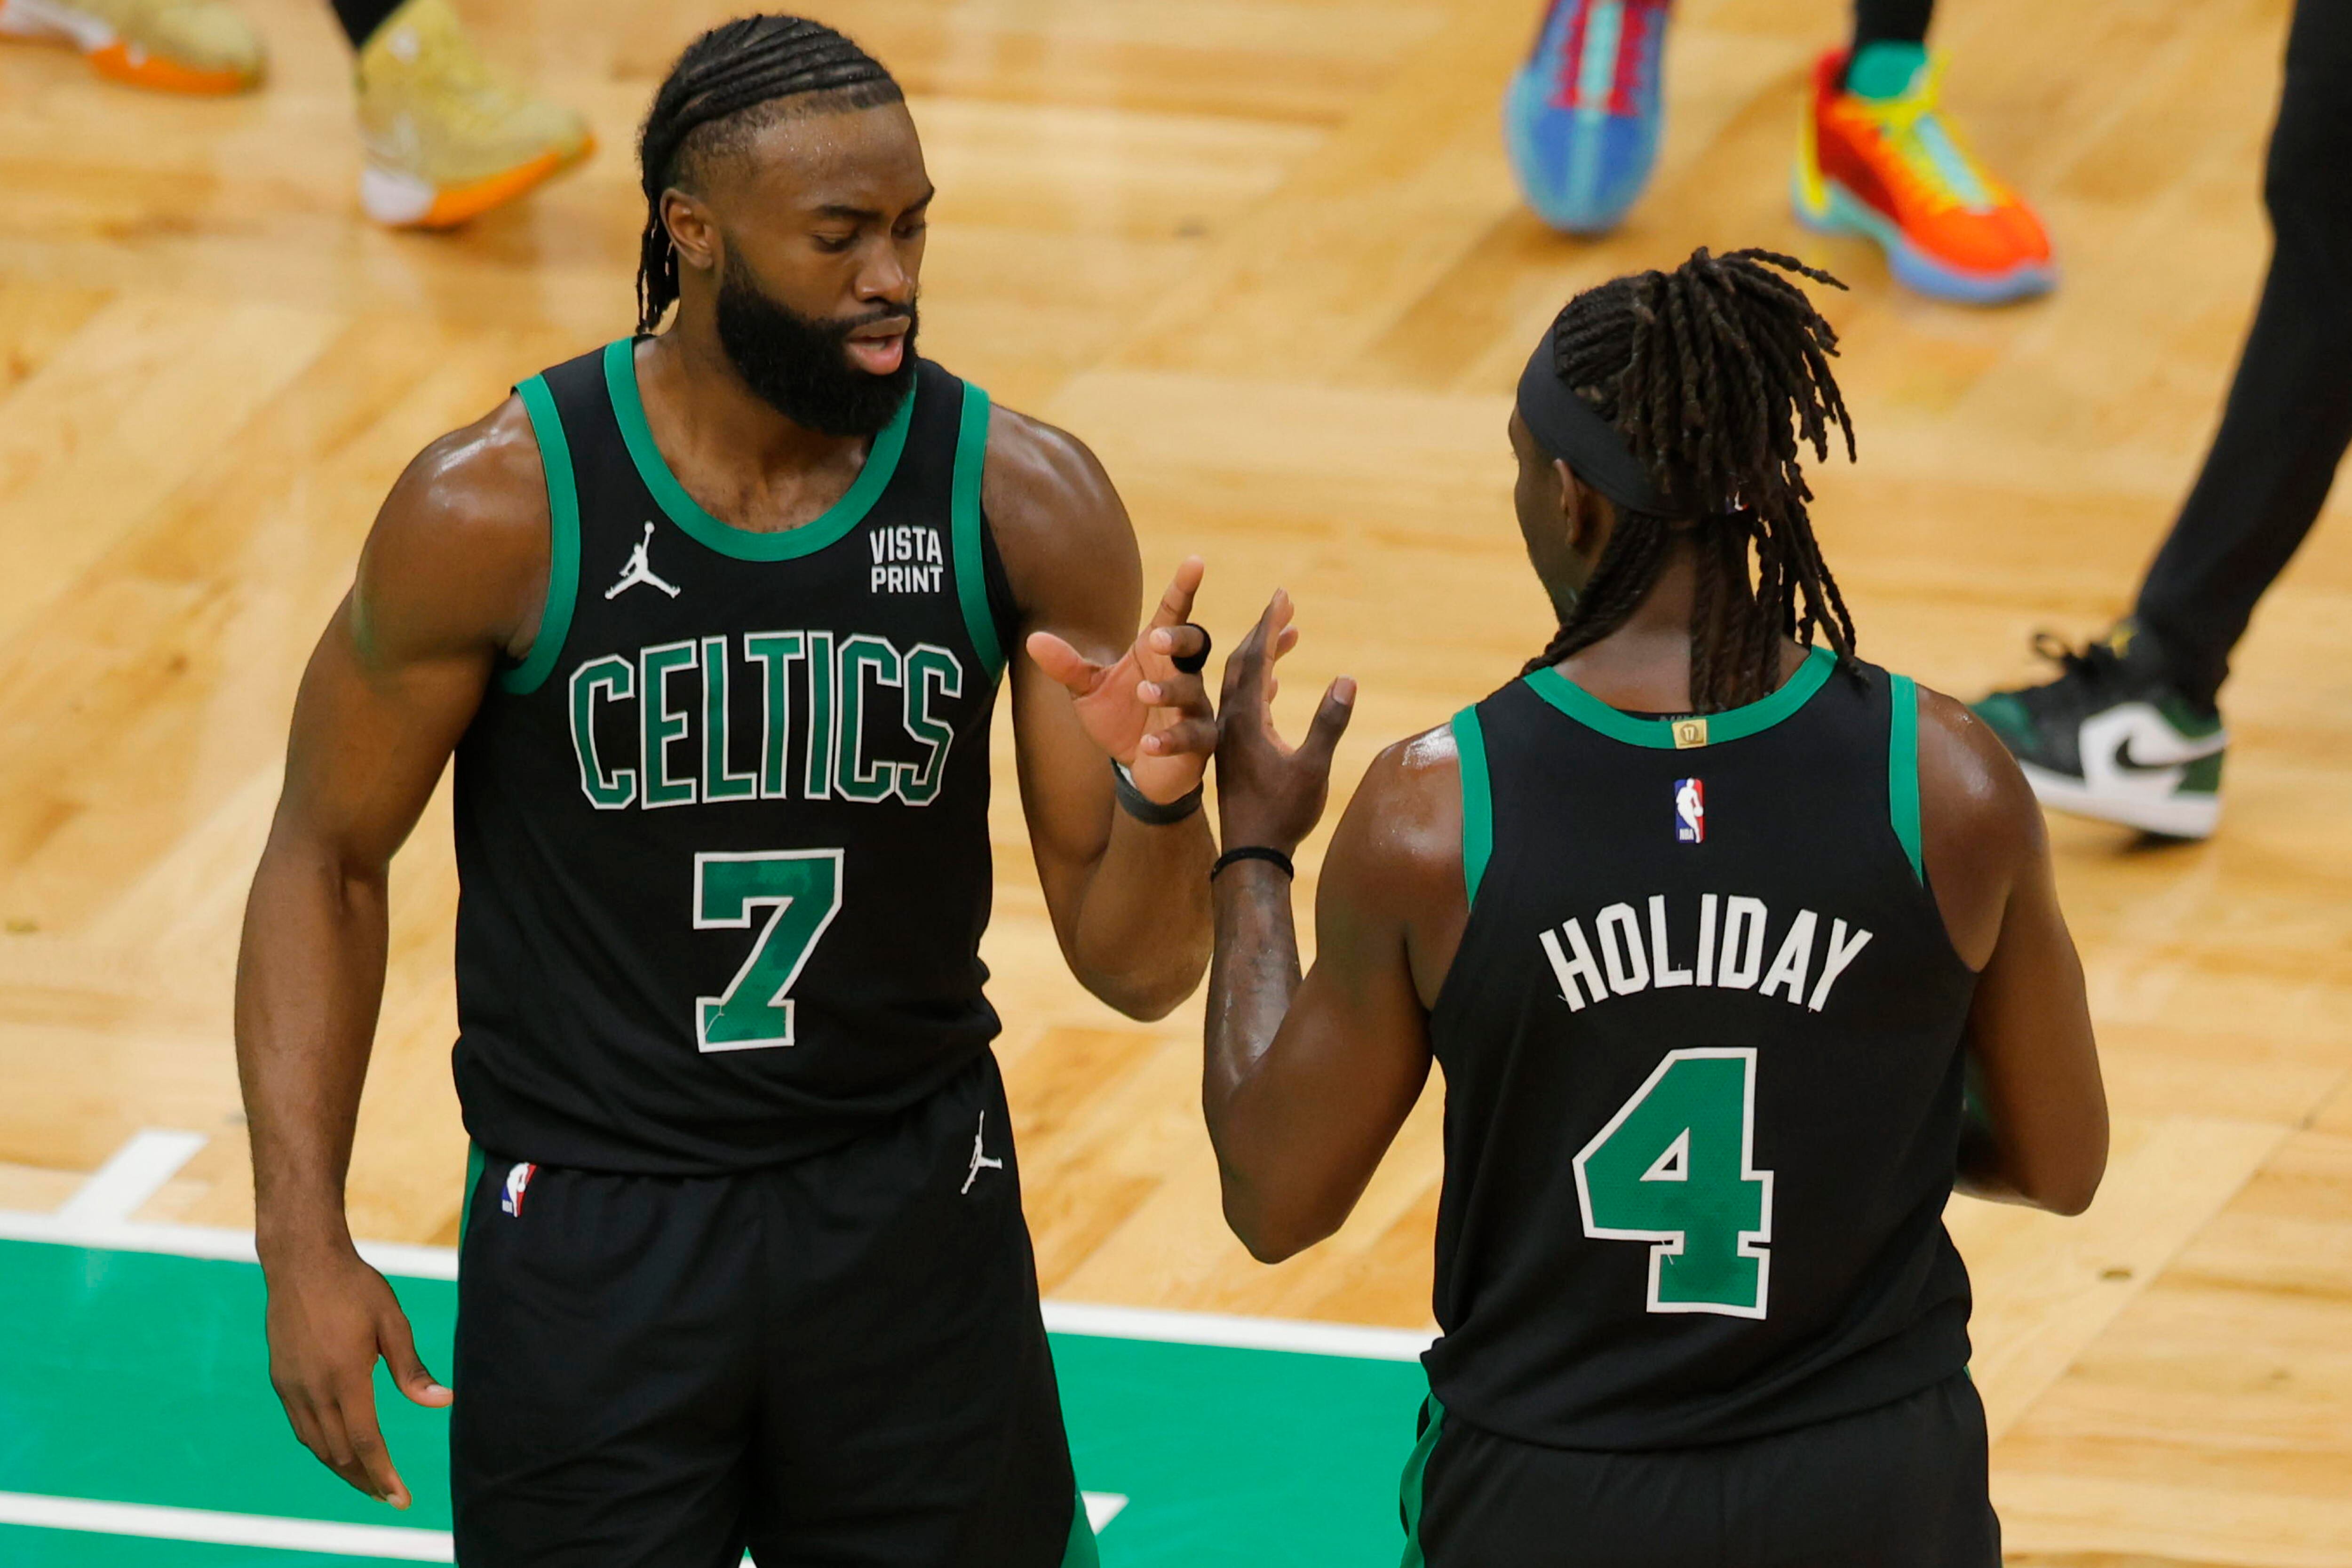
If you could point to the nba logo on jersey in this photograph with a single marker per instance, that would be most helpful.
(1690, 811)
(518, 1179)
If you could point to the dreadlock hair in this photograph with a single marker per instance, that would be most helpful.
(1715, 374)
(710, 102)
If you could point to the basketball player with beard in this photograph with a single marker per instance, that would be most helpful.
(712, 621)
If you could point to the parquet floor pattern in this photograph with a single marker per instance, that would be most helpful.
(1265, 256)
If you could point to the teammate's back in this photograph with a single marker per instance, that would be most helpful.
(1709, 923)
(1702, 1052)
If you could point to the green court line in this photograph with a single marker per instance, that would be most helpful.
(140, 1377)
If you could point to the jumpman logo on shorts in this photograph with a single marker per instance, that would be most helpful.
(640, 570)
(979, 1161)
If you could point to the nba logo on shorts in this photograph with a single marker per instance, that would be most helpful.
(518, 1179)
(1690, 811)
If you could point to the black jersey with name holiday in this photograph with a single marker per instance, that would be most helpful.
(722, 838)
(1702, 1046)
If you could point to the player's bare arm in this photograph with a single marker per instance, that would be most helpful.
(2037, 1128)
(1307, 1080)
(454, 574)
(1129, 899)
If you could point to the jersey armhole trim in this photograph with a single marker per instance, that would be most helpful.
(562, 541)
(1903, 769)
(966, 522)
(1477, 801)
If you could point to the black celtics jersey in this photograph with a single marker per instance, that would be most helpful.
(1702, 1046)
(722, 838)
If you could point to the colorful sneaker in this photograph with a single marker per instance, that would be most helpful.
(169, 46)
(1582, 115)
(1893, 170)
(2112, 738)
(445, 137)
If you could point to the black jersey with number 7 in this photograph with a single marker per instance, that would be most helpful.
(722, 836)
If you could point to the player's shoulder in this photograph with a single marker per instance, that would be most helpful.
(482, 484)
(459, 550)
(1056, 518)
(1972, 790)
(1406, 813)
(1039, 473)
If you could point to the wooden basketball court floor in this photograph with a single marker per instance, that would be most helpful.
(1265, 256)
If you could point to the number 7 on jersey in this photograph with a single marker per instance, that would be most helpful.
(1677, 1167)
(800, 890)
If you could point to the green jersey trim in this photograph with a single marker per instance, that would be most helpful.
(1903, 769)
(474, 1163)
(1081, 1551)
(1416, 1470)
(966, 521)
(629, 409)
(1681, 734)
(1478, 801)
(562, 539)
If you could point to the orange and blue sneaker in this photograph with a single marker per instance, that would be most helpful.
(1877, 159)
(1582, 115)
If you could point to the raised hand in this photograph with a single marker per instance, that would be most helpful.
(1142, 710)
(1270, 792)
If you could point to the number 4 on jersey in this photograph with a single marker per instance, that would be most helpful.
(1675, 1168)
(801, 889)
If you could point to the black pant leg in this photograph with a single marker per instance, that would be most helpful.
(1901, 1485)
(1487, 1502)
(1891, 22)
(911, 1415)
(2289, 415)
(606, 1370)
(361, 18)
(1906, 1484)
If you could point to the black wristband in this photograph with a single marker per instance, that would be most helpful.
(1143, 807)
(1254, 852)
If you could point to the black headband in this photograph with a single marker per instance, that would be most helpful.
(1565, 425)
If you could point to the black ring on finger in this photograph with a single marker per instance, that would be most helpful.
(1194, 663)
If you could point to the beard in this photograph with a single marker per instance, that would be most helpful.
(799, 365)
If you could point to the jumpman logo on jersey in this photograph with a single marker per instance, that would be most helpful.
(979, 1161)
(640, 570)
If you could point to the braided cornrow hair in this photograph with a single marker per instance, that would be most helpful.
(1715, 374)
(729, 71)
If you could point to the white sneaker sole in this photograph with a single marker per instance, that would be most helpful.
(2174, 816)
(393, 198)
(45, 19)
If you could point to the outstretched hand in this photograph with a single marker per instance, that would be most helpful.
(1270, 792)
(1142, 710)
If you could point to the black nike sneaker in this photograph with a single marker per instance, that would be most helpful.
(2112, 738)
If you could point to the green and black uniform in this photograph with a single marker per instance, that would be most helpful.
(745, 1262)
(1703, 1057)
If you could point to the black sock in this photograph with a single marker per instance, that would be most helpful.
(361, 18)
(1888, 21)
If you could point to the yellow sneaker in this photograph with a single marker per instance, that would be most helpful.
(169, 46)
(445, 137)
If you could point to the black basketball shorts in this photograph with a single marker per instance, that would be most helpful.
(1902, 1486)
(838, 1361)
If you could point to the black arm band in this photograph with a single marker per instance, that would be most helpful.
(1254, 852)
(1145, 809)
